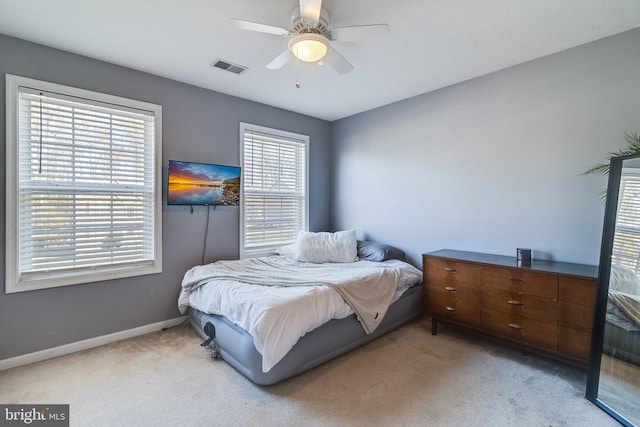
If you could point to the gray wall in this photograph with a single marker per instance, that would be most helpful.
(486, 165)
(198, 125)
(493, 163)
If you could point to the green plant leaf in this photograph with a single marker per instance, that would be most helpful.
(633, 147)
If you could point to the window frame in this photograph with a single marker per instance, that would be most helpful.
(626, 241)
(286, 136)
(76, 275)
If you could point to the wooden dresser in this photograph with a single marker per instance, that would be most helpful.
(546, 307)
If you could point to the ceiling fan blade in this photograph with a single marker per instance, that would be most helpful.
(337, 62)
(310, 11)
(261, 28)
(360, 32)
(280, 60)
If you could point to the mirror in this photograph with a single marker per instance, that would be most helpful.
(613, 381)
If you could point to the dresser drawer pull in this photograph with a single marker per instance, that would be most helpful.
(450, 309)
(450, 269)
(516, 327)
(516, 303)
(450, 289)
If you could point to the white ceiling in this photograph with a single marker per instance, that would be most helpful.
(432, 43)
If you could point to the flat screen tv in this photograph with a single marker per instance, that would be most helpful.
(191, 183)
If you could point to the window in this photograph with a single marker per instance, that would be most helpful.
(274, 188)
(83, 186)
(626, 241)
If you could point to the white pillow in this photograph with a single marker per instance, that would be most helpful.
(340, 246)
(288, 250)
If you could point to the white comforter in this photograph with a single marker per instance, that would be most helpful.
(629, 304)
(277, 316)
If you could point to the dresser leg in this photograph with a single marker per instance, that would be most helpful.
(434, 327)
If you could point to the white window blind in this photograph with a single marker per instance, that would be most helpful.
(274, 188)
(626, 240)
(86, 189)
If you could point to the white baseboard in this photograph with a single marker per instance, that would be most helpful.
(87, 344)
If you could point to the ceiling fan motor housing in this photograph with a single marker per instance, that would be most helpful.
(299, 26)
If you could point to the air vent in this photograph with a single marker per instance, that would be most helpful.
(228, 66)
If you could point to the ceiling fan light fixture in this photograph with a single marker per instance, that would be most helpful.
(309, 47)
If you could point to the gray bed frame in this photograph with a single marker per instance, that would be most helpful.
(621, 336)
(327, 342)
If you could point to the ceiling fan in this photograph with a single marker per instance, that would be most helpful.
(311, 36)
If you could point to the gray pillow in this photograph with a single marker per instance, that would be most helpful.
(372, 251)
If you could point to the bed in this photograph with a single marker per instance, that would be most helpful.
(277, 316)
(622, 326)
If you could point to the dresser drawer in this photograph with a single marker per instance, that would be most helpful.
(455, 308)
(452, 275)
(528, 306)
(574, 343)
(463, 296)
(461, 289)
(521, 281)
(578, 291)
(521, 329)
(575, 316)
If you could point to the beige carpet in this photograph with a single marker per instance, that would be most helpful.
(406, 378)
